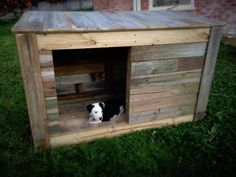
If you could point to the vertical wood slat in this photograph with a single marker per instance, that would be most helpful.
(208, 71)
(30, 69)
(128, 79)
(50, 94)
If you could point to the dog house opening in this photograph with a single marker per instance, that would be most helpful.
(86, 76)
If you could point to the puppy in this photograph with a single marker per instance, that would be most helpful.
(104, 111)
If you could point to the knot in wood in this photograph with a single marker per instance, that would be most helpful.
(92, 42)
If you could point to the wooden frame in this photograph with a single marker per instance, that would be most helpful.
(207, 76)
(170, 66)
(178, 7)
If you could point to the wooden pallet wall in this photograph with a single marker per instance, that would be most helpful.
(164, 80)
(50, 94)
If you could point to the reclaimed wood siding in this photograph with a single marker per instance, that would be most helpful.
(208, 71)
(164, 80)
(120, 38)
(30, 69)
(49, 87)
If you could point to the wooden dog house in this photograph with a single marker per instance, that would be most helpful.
(160, 63)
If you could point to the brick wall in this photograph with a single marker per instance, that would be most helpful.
(113, 5)
(144, 4)
(224, 10)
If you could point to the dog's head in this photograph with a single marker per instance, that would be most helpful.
(96, 111)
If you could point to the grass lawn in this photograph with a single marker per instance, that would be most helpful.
(204, 148)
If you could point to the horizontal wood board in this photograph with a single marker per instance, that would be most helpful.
(112, 130)
(46, 22)
(49, 88)
(30, 69)
(164, 80)
(121, 38)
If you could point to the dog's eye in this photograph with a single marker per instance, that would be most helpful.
(96, 112)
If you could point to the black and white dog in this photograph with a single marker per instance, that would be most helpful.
(104, 111)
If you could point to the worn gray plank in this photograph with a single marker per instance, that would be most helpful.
(162, 113)
(30, 21)
(101, 21)
(131, 16)
(123, 21)
(166, 77)
(81, 22)
(191, 19)
(162, 20)
(144, 53)
(208, 72)
(56, 21)
(95, 21)
(30, 68)
(166, 66)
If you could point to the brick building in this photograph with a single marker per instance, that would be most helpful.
(224, 10)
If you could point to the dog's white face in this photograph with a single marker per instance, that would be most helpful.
(96, 111)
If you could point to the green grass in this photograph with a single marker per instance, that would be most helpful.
(204, 148)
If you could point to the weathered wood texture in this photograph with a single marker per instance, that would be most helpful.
(160, 55)
(143, 53)
(30, 69)
(46, 22)
(120, 38)
(112, 130)
(49, 88)
(164, 81)
(207, 76)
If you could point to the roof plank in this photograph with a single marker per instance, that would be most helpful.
(101, 21)
(30, 21)
(56, 21)
(48, 22)
(81, 21)
(189, 18)
(123, 21)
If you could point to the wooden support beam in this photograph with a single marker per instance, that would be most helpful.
(31, 74)
(208, 71)
(120, 38)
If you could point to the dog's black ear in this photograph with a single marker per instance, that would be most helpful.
(102, 105)
(90, 107)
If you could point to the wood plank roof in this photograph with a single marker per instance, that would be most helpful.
(58, 21)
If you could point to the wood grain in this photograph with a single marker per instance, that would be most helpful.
(111, 130)
(162, 113)
(56, 21)
(152, 21)
(118, 39)
(166, 66)
(46, 60)
(153, 101)
(48, 74)
(160, 52)
(30, 21)
(166, 77)
(81, 21)
(184, 86)
(208, 72)
(49, 89)
(59, 22)
(30, 68)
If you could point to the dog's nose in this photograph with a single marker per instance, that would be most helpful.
(100, 118)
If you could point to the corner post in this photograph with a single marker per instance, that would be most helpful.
(31, 74)
(208, 71)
